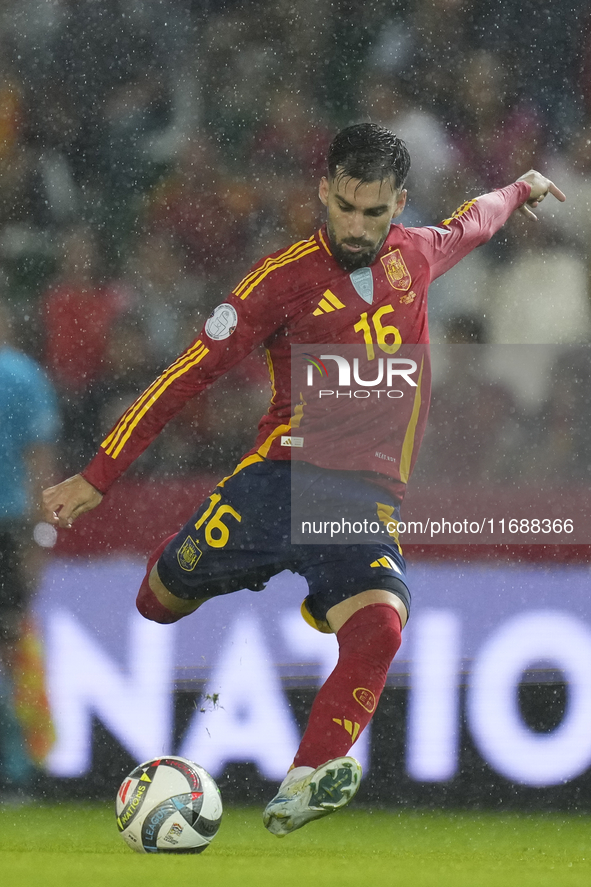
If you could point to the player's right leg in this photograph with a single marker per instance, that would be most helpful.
(309, 793)
(359, 593)
(324, 778)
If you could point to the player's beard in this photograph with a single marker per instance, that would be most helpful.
(351, 261)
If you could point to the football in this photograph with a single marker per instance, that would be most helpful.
(168, 805)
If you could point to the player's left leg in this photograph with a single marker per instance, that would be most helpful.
(154, 601)
(323, 779)
(238, 538)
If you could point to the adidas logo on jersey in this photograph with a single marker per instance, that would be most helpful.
(328, 303)
(288, 441)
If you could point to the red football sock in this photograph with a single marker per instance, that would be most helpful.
(147, 602)
(368, 642)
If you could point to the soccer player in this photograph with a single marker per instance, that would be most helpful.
(360, 279)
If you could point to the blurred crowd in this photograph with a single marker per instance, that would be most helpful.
(152, 150)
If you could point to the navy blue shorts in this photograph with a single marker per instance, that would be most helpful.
(241, 536)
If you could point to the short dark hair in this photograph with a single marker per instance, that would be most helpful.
(370, 153)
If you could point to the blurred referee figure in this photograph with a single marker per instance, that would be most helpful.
(29, 426)
(360, 279)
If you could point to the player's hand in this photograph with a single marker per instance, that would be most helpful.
(540, 187)
(65, 502)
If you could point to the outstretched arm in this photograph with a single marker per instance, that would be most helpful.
(540, 187)
(231, 332)
(475, 222)
(66, 501)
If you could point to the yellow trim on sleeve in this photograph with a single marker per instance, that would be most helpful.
(115, 442)
(121, 424)
(460, 211)
(268, 261)
(295, 252)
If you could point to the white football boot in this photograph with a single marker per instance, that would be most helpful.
(306, 794)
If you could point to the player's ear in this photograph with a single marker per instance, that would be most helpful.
(323, 190)
(400, 203)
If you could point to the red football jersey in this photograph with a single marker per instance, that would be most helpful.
(301, 296)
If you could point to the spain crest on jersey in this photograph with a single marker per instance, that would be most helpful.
(396, 270)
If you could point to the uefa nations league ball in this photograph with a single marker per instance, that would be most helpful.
(168, 805)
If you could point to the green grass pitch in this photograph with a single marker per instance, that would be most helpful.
(64, 845)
